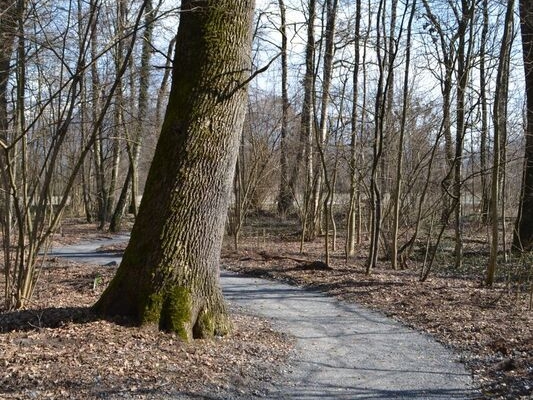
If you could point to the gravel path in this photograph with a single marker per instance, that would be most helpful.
(348, 352)
(343, 351)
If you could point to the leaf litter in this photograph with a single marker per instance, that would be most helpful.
(492, 329)
(57, 349)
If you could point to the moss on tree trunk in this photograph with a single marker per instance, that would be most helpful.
(169, 276)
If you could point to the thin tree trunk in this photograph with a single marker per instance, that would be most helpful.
(322, 133)
(499, 120)
(460, 131)
(398, 185)
(463, 67)
(447, 83)
(142, 117)
(377, 149)
(285, 194)
(118, 113)
(485, 198)
(307, 126)
(161, 93)
(101, 194)
(84, 112)
(354, 181)
(21, 203)
(7, 32)
(364, 114)
(115, 224)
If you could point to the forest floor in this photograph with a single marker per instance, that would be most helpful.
(490, 327)
(57, 349)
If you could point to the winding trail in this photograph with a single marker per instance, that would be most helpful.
(343, 351)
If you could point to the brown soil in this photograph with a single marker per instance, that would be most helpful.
(491, 328)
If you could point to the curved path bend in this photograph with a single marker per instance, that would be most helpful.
(342, 351)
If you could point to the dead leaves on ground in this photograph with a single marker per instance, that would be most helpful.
(491, 328)
(58, 350)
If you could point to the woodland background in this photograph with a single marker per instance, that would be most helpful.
(384, 138)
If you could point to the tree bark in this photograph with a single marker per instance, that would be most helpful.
(523, 235)
(354, 180)
(399, 165)
(285, 194)
(500, 121)
(169, 275)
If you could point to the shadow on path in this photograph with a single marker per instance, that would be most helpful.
(343, 351)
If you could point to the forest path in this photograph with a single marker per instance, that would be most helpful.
(342, 351)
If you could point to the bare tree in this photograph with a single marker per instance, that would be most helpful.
(322, 132)
(307, 126)
(398, 185)
(352, 211)
(483, 80)
(285, 195)
(134, 137)
(38, 182)
(500, 121)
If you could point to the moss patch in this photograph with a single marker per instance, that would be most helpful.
(205, 325)
(152, 310)
(176, 312)
(210, 324)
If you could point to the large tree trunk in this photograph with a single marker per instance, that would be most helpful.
(169, 275)
(523, 236)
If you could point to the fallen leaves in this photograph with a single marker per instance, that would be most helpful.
(57, 349)
(491, 328)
